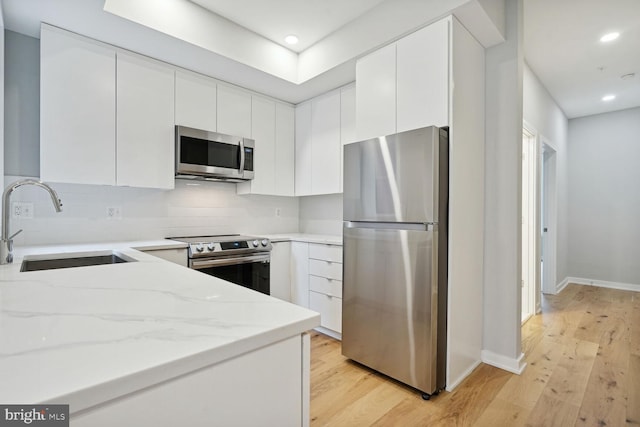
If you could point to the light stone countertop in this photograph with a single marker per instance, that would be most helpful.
(327, 239)
(83, 336)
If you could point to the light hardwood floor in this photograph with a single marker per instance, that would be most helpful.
(583, 369)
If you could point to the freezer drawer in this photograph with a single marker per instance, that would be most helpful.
(390, 303)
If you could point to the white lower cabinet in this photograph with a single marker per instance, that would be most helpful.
(300, 273)
(176, 256)
(325, 286)
(280, 271)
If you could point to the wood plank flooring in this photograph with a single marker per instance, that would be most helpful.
(583, 369)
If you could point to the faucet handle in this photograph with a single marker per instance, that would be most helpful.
(15, 234)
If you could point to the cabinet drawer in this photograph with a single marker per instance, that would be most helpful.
(332, 270)
(325, 252)
(327, 286)
(330, 309)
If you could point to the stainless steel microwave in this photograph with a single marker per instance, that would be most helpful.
(201, 154)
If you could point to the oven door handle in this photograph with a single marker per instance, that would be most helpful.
(229, 261)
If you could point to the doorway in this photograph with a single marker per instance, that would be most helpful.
(530, 224)
(548, 215)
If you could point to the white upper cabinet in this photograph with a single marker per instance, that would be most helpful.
(423, 78)
(77, 109)
(263, 132)
(145, 117)
(405, 85)
(234, 111)
(319, 145)
(285, 150)
(326, 147)
(347, 121)
(272, 128)
(376, 93)
(195, 101)
(304, 157)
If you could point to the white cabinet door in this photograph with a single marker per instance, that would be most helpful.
(280, 271)
(325, 146)
(145, 116)
(234, 111)
(347, 121)
(423, 78)
(195, 101)
(304, 157)
(263, 132)
(348, 114)
(77, 109)
(330, 309)
(285, 150)
(300, 273)
(376, 93)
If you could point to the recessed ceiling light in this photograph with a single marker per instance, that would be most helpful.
(291, 39)
(608, 98)
(609, 37)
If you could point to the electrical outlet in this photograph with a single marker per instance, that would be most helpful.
(22, 210)
(278, 211)
(114, 212)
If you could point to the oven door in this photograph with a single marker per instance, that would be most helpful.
(250, 271)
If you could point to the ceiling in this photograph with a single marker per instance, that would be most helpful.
(562, 46)
(310, 20)
(561, 41)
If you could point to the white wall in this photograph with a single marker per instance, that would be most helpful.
(502, 270)
(549, 121)
(603, 198)
(321, 214)
(205, 209)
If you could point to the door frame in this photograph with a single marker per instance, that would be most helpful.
(549, 214)
(531, 195)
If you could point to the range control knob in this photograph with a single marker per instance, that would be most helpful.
(211, 246)
(265, 242)
(199, 248)
(255, 243)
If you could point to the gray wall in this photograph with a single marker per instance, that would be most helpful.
(503, 165)
(604, 199)
(22, 105)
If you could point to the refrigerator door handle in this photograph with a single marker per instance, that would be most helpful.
(414, 226)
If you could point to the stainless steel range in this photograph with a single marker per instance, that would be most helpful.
(243, 260)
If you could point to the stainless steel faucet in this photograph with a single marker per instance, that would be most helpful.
(6, 241)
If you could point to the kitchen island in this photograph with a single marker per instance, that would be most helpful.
(151, 343)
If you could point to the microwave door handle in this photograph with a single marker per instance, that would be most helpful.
(241, 156)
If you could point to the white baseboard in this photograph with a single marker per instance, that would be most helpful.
(451, 384)
(509, 364)
(600, 283)
(560, 286)
(329, 332)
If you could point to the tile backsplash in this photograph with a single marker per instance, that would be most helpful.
(203, 209)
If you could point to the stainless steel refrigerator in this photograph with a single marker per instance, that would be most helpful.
(395, 256)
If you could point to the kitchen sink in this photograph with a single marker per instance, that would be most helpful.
(72, 260)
